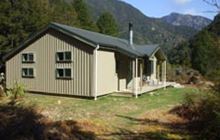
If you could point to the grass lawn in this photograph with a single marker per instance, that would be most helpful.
(113, 117)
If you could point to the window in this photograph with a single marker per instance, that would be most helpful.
(63, 73)
(27, 58)
(64, 57)
(28, 72)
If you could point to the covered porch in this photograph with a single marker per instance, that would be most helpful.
(147, 73)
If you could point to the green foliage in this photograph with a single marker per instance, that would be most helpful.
(84, 17)
(205, 56)
(63, 13)
(17, 91)
(204, 113)
(107, 24)
(181, 55)
(21, 18)
(18, 19)
(146, 29)
(202, 52)
(215, 76)
(206, 50)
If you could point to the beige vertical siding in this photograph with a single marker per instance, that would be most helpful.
(106, 70)
(45, 49)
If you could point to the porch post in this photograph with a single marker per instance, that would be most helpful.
(141, 74)
(164, 73)
(154, 68)
(136, 78)
(133, 75)
(158, 72)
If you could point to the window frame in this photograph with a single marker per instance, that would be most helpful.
(64, 74)
(65, 60)
(28, 72)
(28, 57)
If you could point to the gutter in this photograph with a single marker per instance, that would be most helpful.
(95, 71)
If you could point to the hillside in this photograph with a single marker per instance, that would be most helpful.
(147, 30)
(195, 22)
(202, 52)
(206, 50)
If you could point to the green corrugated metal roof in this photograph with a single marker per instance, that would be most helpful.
(147, 49)
(93, 38)
(101, 39)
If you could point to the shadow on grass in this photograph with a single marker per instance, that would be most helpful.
(18, 122)
(195, 125)
(25, 123)
(166, 131)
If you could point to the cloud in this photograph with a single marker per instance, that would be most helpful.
(182, 2)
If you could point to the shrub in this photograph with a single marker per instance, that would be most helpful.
(203, 112)
(17, 91)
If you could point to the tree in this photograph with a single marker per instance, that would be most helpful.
(215, 3)
(63, 13)
(83, 17)
(19, 19)
(107, 24)
(181, 55)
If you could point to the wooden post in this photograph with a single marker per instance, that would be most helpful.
(136, 78)
(158, 72)
(164, 73)
(133, 75)
(141, 75)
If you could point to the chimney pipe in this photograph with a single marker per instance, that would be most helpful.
(131, 33)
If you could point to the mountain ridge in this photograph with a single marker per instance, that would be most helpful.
(193, 21)
(147, 30)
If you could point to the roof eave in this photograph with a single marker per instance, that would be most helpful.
(159, 49)
(75, 36)
(116, 49)
(50, 26)
(91, 43)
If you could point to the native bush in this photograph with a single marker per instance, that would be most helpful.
(17, 91)
(203, 113)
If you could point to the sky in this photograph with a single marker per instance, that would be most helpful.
(159, 8)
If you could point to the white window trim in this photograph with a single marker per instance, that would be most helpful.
(28, 76)
(67, 78)
(64, 61)
(28, 61)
